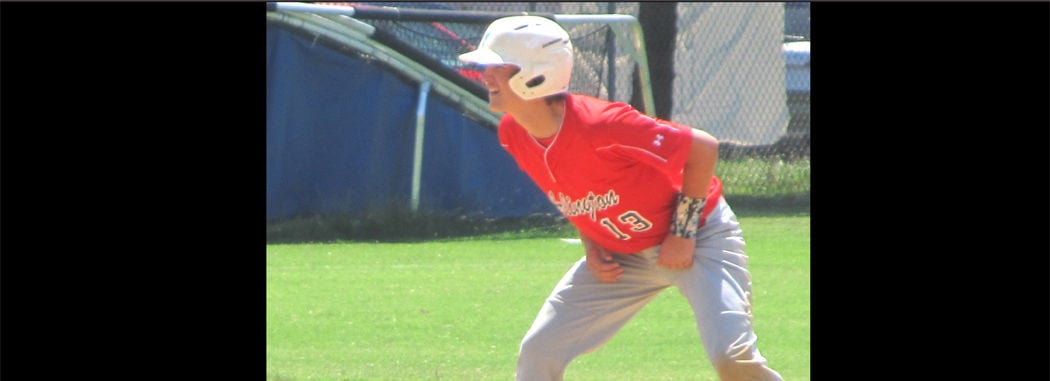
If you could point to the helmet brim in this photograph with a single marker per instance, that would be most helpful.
(482, 57)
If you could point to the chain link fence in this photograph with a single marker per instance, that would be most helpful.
(740, 72)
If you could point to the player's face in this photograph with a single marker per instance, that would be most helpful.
(497, 80)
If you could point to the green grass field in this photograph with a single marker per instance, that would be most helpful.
(456, 309)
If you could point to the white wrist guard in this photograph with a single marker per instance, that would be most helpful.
(686, 220)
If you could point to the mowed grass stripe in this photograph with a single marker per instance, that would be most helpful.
(456, 310)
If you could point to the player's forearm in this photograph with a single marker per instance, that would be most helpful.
(700, 166)
(696, 180)
(591, 250)
(588, 244)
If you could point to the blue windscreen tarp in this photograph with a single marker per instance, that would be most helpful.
(340, 137)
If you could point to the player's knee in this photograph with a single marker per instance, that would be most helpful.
(535, 348)
(538, 360)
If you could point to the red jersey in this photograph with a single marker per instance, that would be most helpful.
(612, 171)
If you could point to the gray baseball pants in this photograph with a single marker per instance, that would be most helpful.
(582, 314)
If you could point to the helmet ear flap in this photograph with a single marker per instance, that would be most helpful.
(530, 82)
(535, 81)
(536, 75)
(519, 83)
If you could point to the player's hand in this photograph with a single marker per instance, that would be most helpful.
(602, 265)
(676, 253)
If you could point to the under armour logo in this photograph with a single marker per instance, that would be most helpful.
(659, 138)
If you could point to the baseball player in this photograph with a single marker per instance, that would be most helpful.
(640, 191)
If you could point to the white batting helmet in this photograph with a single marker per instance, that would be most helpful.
(538, 45)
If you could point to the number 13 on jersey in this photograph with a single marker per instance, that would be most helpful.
(629, 220)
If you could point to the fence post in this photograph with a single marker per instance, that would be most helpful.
(417, 158)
